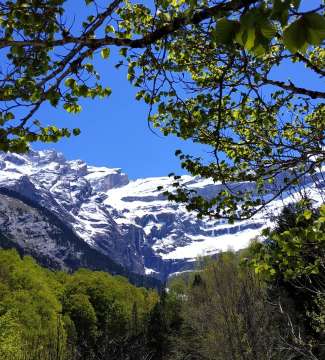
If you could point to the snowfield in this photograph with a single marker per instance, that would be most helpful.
(131, 221)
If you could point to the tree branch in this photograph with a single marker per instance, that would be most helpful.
(310, 64)
(295, 89)
(159, 33)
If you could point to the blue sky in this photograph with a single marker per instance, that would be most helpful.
(115, 133)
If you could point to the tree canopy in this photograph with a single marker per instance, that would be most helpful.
(81, 316)
(206, 69)
(264, 302)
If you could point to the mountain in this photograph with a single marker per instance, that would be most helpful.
(69, 214)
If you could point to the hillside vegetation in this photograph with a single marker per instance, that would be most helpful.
(266, 302)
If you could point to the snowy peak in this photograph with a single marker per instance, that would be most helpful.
(72, 191)
(104, 179)
(170, 230)
(50, 164)
(131, 222)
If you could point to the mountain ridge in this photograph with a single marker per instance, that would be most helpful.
(130, 222)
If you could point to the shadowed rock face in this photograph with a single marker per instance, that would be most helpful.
(33, 230)
(65, 188)
(128, 222)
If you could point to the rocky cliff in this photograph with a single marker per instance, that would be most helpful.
(49, 204)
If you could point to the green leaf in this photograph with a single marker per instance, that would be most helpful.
(315, 21)
(123, 51)
(239, 37)
(140, 95)
(294, 36)
(107, 92)
(307, 214)
(69, 82)
(250, 18)
(105, 53)
(314, 37)
(109, 29)
(261, 45)
(249, 44)
(280, 11)
(76, 131)
(72, 108)
(225, 31)
(268, 30)
(9, 116)
(83, 90)
(315, 27)
(258, 50)
(54, 98)
(89, 67)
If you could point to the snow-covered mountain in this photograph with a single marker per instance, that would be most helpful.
(128, 222)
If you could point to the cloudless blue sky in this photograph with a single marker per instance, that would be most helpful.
(114, 131)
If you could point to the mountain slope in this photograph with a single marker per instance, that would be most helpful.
(129, 222)
(33, 230)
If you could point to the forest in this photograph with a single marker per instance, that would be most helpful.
(264, 302)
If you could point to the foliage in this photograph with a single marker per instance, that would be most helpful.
(291, 260)
(53, 315)
(206, 70)
(226, 315)
(10, 338)
(295, 252)
(29, 295)
(164, 325)
(266, 302)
